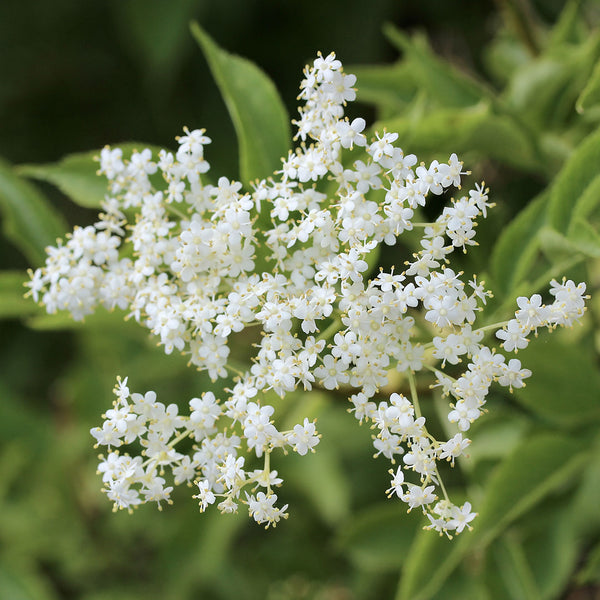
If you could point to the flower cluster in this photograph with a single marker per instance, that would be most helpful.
(200, 263)
(158, 428)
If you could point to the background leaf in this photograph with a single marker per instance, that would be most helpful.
(439, 78)
(536, 468)
(12, 300)
(377, 538)
(155, 33)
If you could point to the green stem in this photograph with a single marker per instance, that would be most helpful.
(175, 211)
(413, 394)
(267, 470)
(171, 444)
(415, 401)
(497, 325)
(446, 497)
(333, 328)
(235, 371)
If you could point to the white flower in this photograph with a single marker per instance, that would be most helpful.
(332, 372)
(262, 508)
(205, 494)
(461, 517)
(304, 437)
(396, 484)
(418, 496)
(514, 336)
(453, 448)
(513, 374)
(533, 313)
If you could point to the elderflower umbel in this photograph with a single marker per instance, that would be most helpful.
(186, 268)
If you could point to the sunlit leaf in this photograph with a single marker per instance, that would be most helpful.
(76, 175)
(258, 114)
(517, 247)
(590, 95)
(384, 85)
(571, 183)
(474, 129)
(29, 220)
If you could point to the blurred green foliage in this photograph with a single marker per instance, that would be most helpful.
(515, 92)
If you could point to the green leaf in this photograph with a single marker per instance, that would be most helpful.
(583, 238)
(463, 584)
(320, 476)
(384, 85)
(517, 247)
(20, 582)
(495, 436)
(504, 55)
(440, 79)
(544, 92)
(587, 203)
(571, 183)
(430, 561)
(534, 89)
(551, 550)
(569, 27)
(535, 469)
(17, 417)
(585, 514)
(377, 538)
(590, 95)
(76, 175)
(559, 248)
(30, 221)
(475, 129)
(12, 296)
(513, 567)
(590, 572)
(199, 553)
(258, 114)
(54, 322)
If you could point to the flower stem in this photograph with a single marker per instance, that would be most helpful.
(413, 393)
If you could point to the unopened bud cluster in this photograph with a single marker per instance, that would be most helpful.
(200, 263)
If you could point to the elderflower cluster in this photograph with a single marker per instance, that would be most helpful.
(200, 262)
(158, 428)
